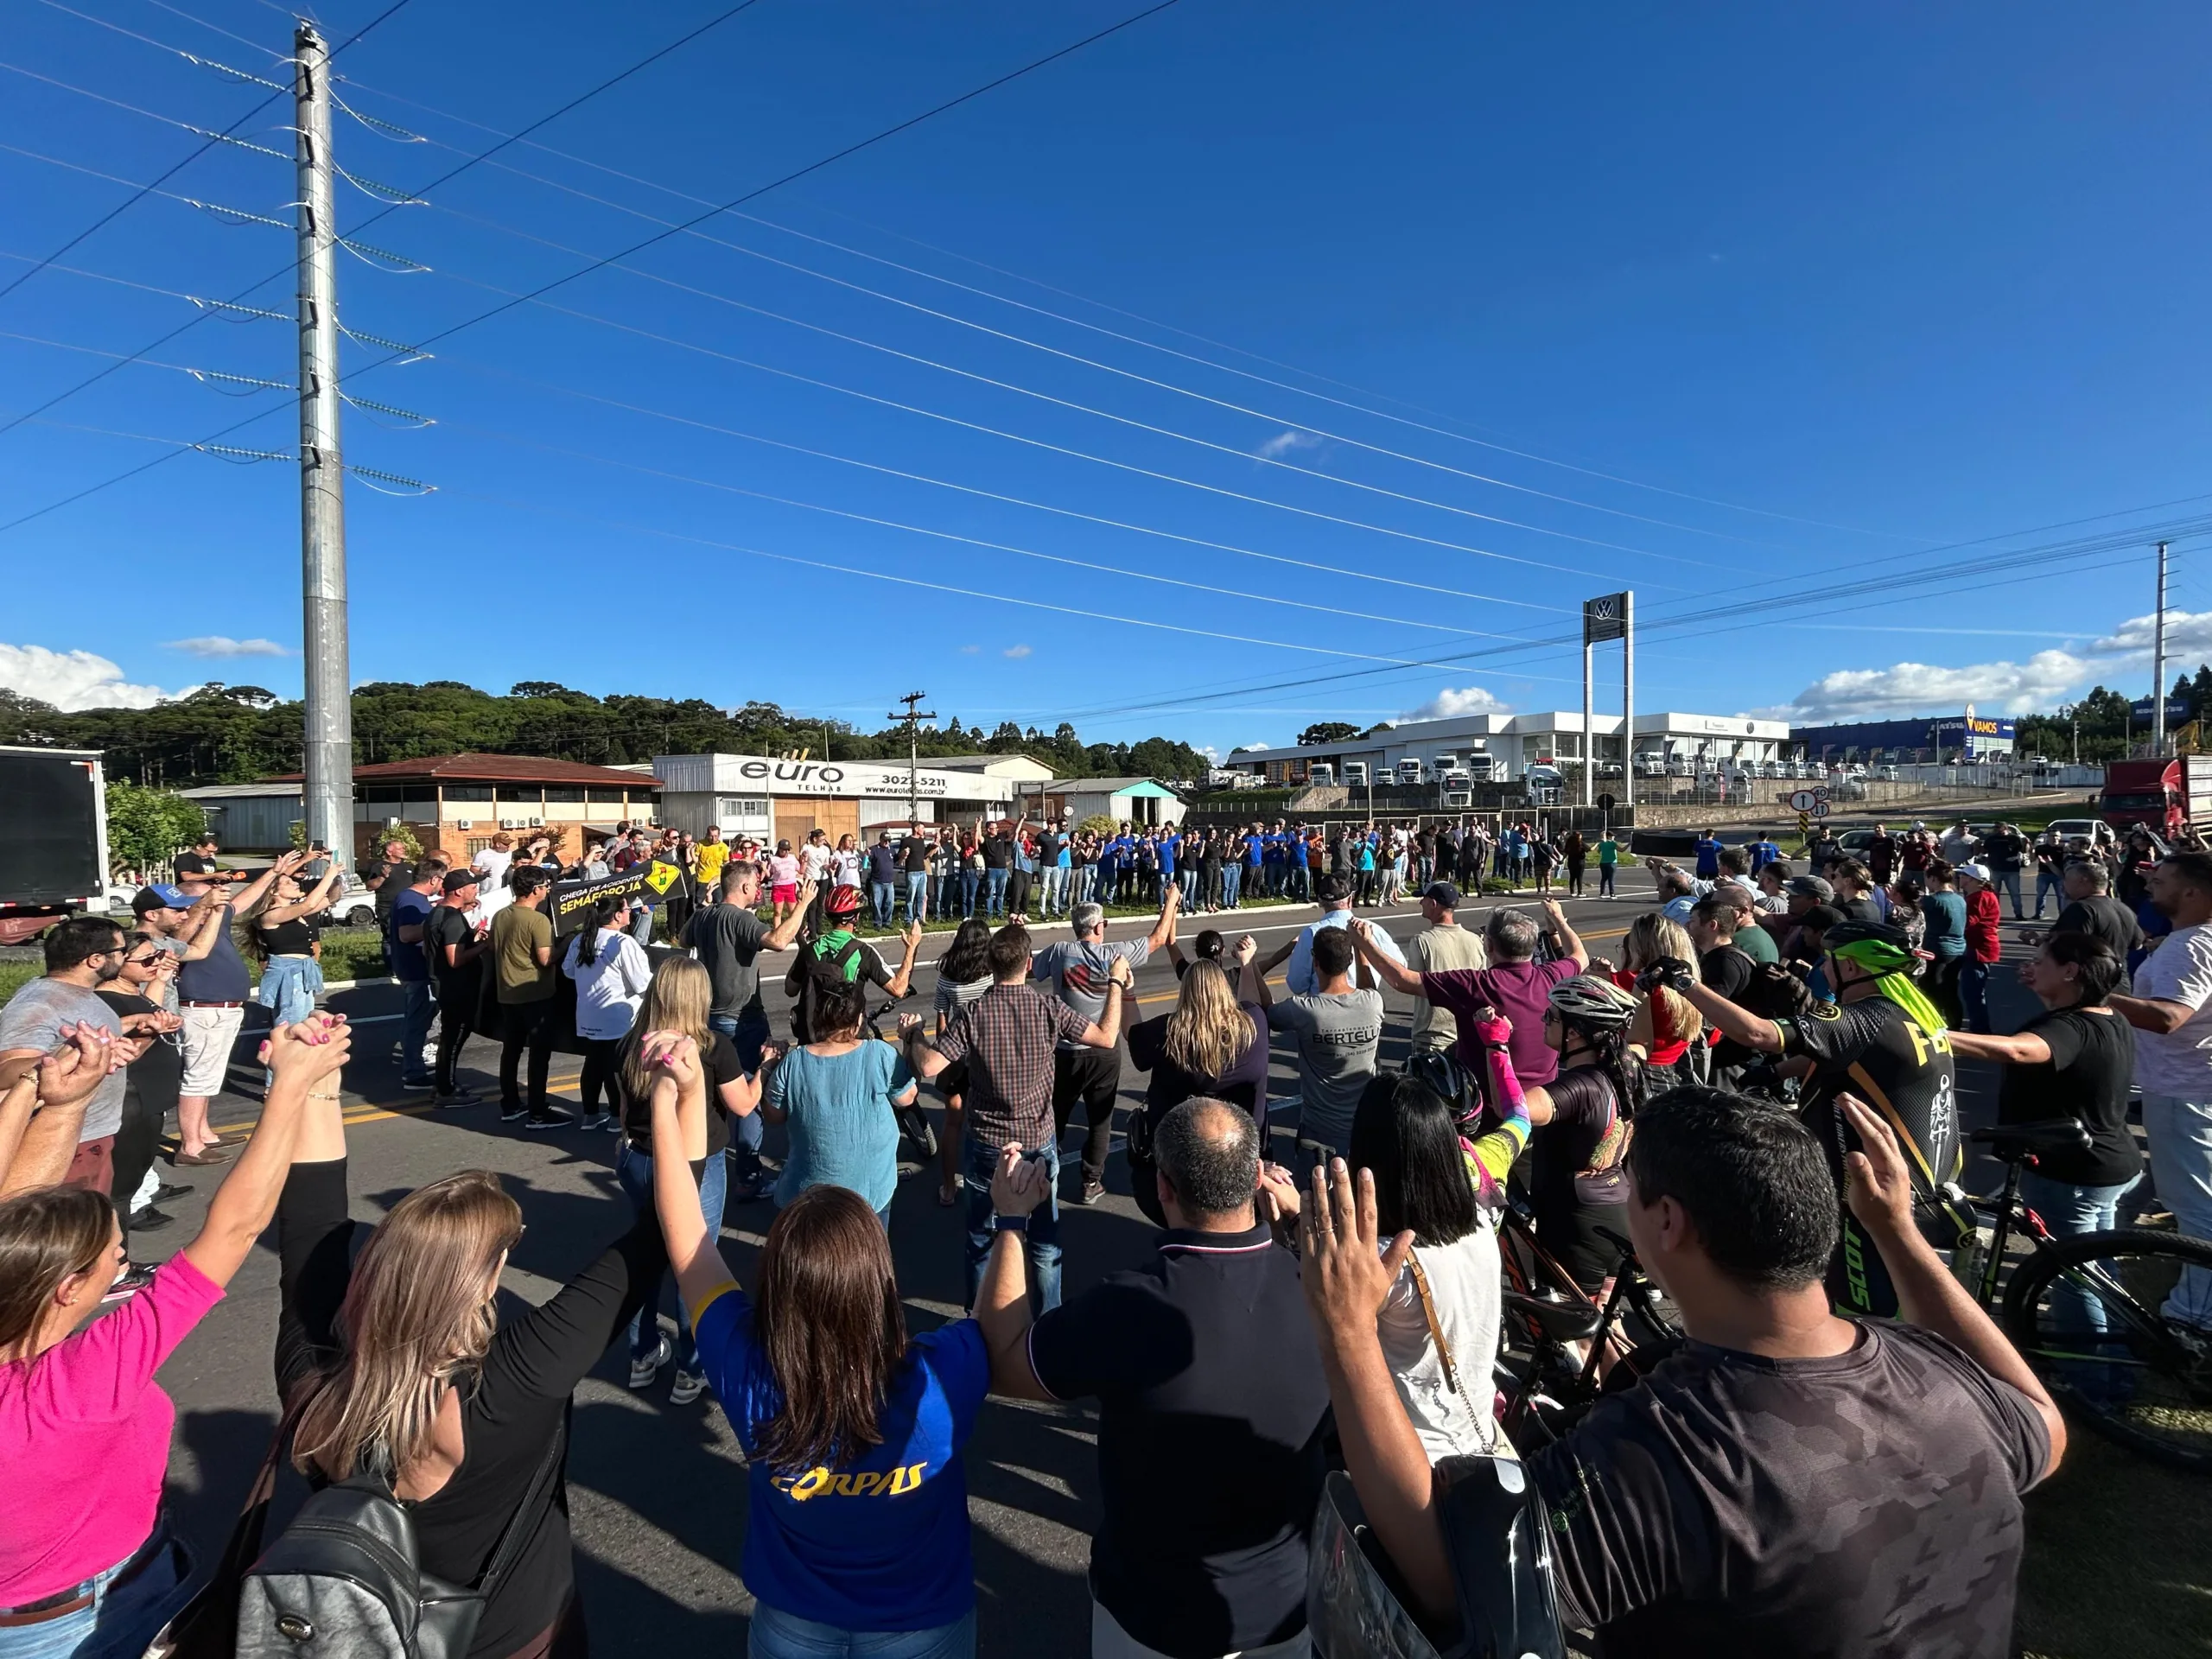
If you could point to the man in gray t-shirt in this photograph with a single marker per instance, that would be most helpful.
(1338, 1030)
(80, 954)
(1077, 971)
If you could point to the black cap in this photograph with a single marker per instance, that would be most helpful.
(1331, 890)
(456, 880)
(1823, 920)
(1443, 894)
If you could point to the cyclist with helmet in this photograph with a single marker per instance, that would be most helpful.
(1882, 1040)
(1576, 1182)
(835, 953)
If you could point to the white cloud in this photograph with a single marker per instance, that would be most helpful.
(72, 680)
(1448, 704)
(221, 644)
(969, 650)
(1257, 743)
(1284, 443)
(1015, 652)
(2187, 632)
(1919, 688)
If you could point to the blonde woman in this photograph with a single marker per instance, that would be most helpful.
(402, 1368)
(1665, 1025)
(677, 1001)
(1213, 1043)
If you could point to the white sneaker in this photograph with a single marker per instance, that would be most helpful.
(688, 1387)
(642, 1371)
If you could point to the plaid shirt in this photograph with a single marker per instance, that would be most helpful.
(1006, 1036)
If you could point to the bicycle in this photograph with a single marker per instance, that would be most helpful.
(2086, 1311)
(1546, 1394)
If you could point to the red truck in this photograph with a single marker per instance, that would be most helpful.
(2161, 794)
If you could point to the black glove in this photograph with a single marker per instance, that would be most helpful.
(1671, 971)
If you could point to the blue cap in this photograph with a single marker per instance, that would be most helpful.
(161, 896)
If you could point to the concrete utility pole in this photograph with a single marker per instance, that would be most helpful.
(912, 720)
(2159, 663)
(327, 793)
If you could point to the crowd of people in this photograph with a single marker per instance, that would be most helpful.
(1758, 1095)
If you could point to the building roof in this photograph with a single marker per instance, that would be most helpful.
(1022, 767)
(1111, 787)
(495, 769)
(241, 791)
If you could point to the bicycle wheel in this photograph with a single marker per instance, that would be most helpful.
(2088, 1314)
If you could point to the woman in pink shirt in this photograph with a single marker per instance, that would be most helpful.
(87, 1566)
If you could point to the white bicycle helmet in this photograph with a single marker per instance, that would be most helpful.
(1587, 1000)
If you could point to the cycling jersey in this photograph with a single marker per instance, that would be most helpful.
(1872, 1049)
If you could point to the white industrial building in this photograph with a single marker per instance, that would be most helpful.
(772, 799)
(1501, 748)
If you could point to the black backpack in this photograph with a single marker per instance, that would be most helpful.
(824, 964)
(344, 1579)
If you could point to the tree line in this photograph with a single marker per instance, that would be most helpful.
(237, 734)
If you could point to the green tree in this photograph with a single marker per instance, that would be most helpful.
(146, 828)
(1329, 731)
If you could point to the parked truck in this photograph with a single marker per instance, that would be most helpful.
(52, 838)
(2161, 794)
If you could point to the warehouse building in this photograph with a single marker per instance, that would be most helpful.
(1967, 737)
(771, 799)
(1502, 747)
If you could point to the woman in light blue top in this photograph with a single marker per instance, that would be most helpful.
(838, 1098)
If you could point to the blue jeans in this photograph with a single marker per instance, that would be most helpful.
(981, 1162)
(641, 923)
(1298, 883)
(288, 985)
(2069, 1212)
(971, 881)
(1232, 878)
(1187, 878)
(634, 1169)
(416, 1005)
(918, 895)
(750, 1036)
(995, 880)
(2048, 883)
(885, 897)
(2009, 881)
(778, 1635)
(2180, 1133)
(122, 1620)
(1973, 992)
(1056, 889)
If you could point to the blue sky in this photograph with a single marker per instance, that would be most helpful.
(1720, 303)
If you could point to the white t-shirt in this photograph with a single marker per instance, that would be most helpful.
(610, 987)
(491, 865)
(818, 860)
(2178, 1063)
(849, 866)
(1464, 1284)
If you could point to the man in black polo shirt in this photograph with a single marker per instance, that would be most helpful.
(1210, 1400)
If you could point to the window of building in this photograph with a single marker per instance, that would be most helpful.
(563, 797)
(602, 797)
(468, 792)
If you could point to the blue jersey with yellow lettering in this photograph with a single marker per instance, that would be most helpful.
(879, 1543)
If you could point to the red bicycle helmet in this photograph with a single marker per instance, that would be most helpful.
(841, 901)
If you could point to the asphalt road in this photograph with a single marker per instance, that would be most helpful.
(658, 1492)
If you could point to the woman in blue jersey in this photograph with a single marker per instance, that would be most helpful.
(858, 1540)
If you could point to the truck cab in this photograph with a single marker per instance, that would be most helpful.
(1356, 773)
(1479, 768)
(1410, 770)
(2160, 795)
(1321, 772)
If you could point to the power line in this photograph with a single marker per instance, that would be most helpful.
(812, 167)
(583, 98)
(209, 144)
(750, 195)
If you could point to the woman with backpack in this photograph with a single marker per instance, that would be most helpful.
(88, 1566)
(1577, 1181)
(852, 1431)
(405, 1383)
(612, 973)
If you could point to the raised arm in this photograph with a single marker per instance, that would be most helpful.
(1570, 942)
(1163, 931)
(1496, 1150)
(1251, 983)
(1106, 1030)
(1879, 1192)
(285, 864)
(205, 925)
(1017, 1187)
(924, 1060)
(1382, 967)
(1737, 1024)
(315, 898)
(2159, 1014)
(700, 1269)
(43, 1112)
(2024, 1049)
(911, 942)
(299, 1058)
(1347, 1275)
(785, 933)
